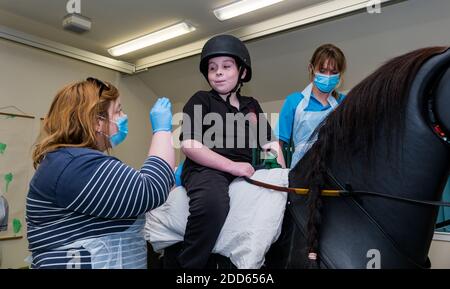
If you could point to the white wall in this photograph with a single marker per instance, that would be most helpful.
(30, 78)
(439, 253)
(280, 61)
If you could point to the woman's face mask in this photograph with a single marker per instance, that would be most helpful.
(326, 83)
(122, 131)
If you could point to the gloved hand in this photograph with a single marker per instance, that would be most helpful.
(161, 115)
(178, 172)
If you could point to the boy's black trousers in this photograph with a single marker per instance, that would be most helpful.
(208, 207)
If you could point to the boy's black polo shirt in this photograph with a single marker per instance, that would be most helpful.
(211, 102)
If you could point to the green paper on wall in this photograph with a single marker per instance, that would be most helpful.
(8, 179)
(2, 148)
(17, 225)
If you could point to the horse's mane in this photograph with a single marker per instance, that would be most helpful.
(376, 104)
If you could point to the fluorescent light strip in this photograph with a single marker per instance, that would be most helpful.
(151, 39)
(241, 7)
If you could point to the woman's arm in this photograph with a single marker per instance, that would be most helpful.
(283, 129)
(110, 189)
(114, 190)
(162, 146)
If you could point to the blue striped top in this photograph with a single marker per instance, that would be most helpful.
(80, 193)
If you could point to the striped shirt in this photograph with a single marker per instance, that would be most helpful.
(79, 193)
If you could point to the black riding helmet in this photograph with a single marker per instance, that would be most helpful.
(226, 45)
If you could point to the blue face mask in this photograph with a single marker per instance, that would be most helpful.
(122, 131)
(326, 83)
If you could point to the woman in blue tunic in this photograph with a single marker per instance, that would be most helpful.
(303, 111)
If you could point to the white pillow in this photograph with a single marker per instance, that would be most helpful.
(252, 225)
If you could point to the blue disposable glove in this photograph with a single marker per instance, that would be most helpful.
(178, 174)
(161, 115)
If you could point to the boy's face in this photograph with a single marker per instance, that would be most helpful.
(223, 74)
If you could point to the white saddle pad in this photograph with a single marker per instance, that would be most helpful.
(252, 225)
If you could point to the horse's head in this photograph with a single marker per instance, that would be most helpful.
(388, 136)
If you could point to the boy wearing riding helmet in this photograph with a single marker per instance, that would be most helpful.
(210, 167)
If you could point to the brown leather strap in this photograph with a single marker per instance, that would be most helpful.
(341, 193)
(298, 191)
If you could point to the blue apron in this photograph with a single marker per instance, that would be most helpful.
(305, 122)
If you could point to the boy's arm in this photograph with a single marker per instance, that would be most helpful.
(202, 155)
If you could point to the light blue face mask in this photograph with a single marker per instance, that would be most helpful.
(122, 131)
(326, 83)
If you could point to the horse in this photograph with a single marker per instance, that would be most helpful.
(389, 135)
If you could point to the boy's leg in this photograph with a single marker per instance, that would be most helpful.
(208, 206)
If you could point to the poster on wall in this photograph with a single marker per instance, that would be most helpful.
(16, 141)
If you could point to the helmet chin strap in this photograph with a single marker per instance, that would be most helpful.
(238, 85)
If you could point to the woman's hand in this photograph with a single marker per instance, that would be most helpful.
(161, 119)
(161, 115)
(241, 169)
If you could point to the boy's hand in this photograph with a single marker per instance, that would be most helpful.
(241, 169)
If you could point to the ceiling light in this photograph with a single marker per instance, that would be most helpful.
(152, 38)
(241, 7)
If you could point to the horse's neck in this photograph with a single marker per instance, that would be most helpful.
(417, 169)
